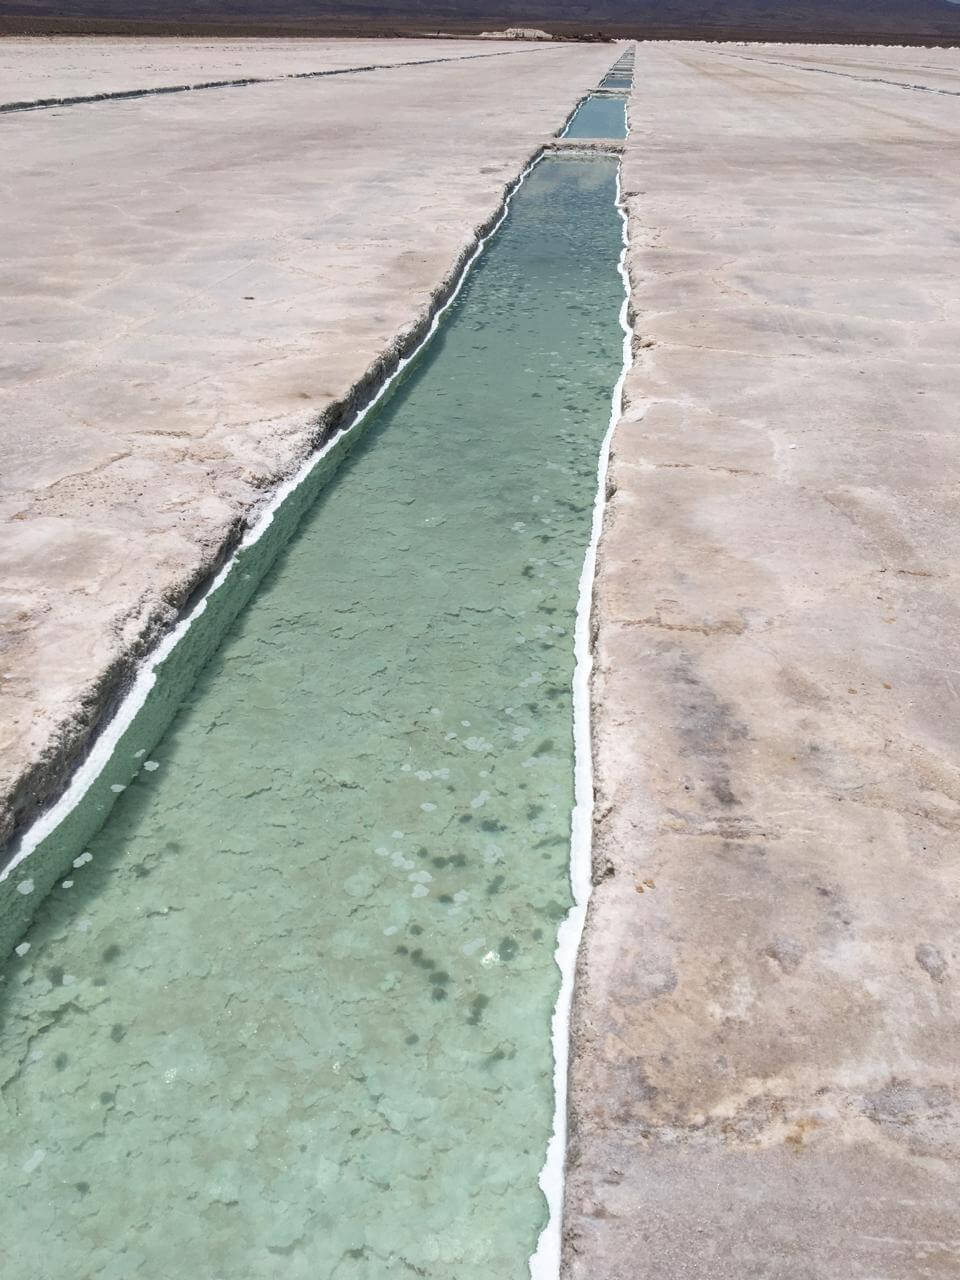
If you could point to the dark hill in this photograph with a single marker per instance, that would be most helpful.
(859, 20)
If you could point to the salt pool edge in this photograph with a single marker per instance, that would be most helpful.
(89, 796)
(545, 1261)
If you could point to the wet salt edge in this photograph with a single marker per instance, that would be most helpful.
(545, 1261)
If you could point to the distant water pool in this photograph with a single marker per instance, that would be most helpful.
(290, 1014)
(599, 117)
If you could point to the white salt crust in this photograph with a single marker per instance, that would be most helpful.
(545, 1262)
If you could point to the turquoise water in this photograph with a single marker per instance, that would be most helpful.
(598, 117)
(290, 1016)
(620, 75)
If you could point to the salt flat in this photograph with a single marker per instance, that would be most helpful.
(65, 67)
(766, 1029)
(766, 1025)
(926, 69)
(188, 284)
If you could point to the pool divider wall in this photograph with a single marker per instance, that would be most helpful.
(584, 146)
(117, 749)
(545, 1261)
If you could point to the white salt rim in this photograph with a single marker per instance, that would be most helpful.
(545, 1262)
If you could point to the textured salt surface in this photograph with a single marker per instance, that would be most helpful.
(766, 1034)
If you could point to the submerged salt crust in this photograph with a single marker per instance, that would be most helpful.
(295, 1009)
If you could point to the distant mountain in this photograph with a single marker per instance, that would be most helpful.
(863, 20)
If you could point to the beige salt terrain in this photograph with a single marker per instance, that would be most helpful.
(189, 285)
(32, 69)
(766, 1041)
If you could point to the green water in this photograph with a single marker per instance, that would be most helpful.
(291, 1018)
(598, 117)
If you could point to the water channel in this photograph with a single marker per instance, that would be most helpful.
(290, 1013)
(599, 117)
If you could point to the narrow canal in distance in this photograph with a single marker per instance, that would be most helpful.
(292, 1017)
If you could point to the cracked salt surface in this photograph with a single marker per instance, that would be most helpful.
(246, 919)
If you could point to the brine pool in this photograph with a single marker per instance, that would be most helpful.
(290, 1013)
(599, 117)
